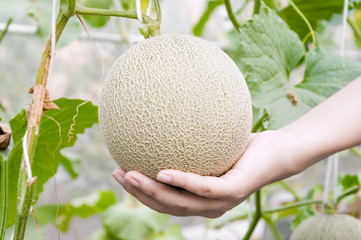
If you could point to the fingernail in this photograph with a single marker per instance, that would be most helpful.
(133, 182)
(119, 178)
(164, 178)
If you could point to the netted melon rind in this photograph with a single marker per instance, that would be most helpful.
(328, 227)
(175, 102)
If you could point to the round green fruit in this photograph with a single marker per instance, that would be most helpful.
(175, 102)
(328, 227)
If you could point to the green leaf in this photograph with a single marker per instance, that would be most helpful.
(272, 51)
(82, 207)
(44, 165)
(18, 127)
(326, 72)
(304, 213)
(102, 234)
(96, 21)
(132, 222)
(274, 4)
(127, 4)
(144, 5)
(72, 166)
(352, 4)
(348, 181)
(313, 11)
(91, 204)
(357, 19)
(211, 6)
(172, 233)
(237, 213)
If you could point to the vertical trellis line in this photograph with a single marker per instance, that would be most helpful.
(332, 162)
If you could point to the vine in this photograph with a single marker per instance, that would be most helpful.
(3, 33)
(231, 15)
(312, 32)
(4, 195)
(27, 184)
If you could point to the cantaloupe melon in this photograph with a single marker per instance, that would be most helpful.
(328, 227)
(175, 102)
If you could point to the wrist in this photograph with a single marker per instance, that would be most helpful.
(300, 153)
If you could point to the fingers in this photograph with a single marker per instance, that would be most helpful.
(166, 199)
(118, 175)
(176, 201)
(205, 186)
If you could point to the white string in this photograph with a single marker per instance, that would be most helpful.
(138, 6)
(327, 181)
(53, 28)
(252, 205)
(25, 149)
(332, 161)
(149, 9)
(343, 34)
(335, 178)
(26, 156)
(53, 36)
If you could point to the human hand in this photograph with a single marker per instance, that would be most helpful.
(266, 160)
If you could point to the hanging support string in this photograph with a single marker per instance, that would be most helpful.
(138, 7)
(332, 161)
(26, 157)
(53, 42)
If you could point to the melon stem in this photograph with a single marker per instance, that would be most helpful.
(231, 15)
(256, 216)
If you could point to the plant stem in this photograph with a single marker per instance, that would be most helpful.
(27, 187)
(150, 28)
(231, 15)
(24, 209)
(293, 205)
(355, 150)
(307, 23)
(36, 108)
(301, 203)
(105, 12)
(257, 215)
(289, 189)
(273, 227)
(3, 33)
(348, 192)
(257, 7)
(3, 196)
(258, 124)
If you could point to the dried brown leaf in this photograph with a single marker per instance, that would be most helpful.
(5, 136)
(48, 104)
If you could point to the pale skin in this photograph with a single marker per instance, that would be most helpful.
(332, 126)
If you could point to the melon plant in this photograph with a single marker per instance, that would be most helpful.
(329, 227)
(175, 102)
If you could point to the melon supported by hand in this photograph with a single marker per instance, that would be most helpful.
(175, 102)
(328, 227)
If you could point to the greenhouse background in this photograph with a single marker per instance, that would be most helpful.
(76, 73)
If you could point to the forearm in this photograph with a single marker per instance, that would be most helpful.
(332, 126)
